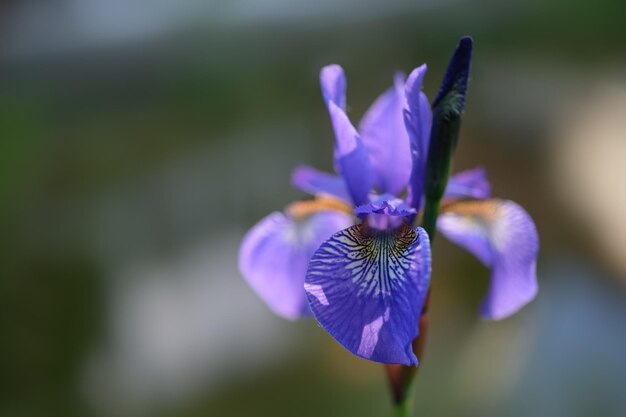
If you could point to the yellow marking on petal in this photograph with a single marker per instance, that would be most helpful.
(493, 216)
(484, 209)
(302, 209)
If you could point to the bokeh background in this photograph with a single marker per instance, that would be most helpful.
(140, 139)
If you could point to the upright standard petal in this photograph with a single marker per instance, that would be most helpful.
(313, 181)
(274, 255)
(418, 121)
(384, 135)
(367, 287)
(333, 83)
(472, 183)
(503, 236)
(351, 156)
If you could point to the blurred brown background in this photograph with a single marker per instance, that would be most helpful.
(140, 139)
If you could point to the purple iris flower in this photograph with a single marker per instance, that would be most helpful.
(351, 255)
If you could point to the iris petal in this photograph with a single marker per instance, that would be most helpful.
(503, 236)
(274, 255)
(418, 122)
(367, 287)
(313, 181)
(386, 204)
(472, 183)
(384, 135)
(351, 156)
(333, 83)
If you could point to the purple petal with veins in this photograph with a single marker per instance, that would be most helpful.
(367, 287)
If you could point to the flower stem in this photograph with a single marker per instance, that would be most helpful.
(403, 409)
(447, 114)
(401, 377)
(431, 212)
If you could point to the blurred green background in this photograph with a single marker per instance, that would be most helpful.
(139, 140)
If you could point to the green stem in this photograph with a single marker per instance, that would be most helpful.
(404, 408)
(431, 212)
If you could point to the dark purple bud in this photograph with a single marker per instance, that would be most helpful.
(447, 113)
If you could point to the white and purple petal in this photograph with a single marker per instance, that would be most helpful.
(472, 183)
(367, 287)
(502, 236)
(384, 135)
(274, 256)
(313, 181)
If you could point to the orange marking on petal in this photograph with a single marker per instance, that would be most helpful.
(302, 209)
(485, 209)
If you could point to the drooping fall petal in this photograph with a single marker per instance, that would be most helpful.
(502, 236)
(274, 255)
(366, 288)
